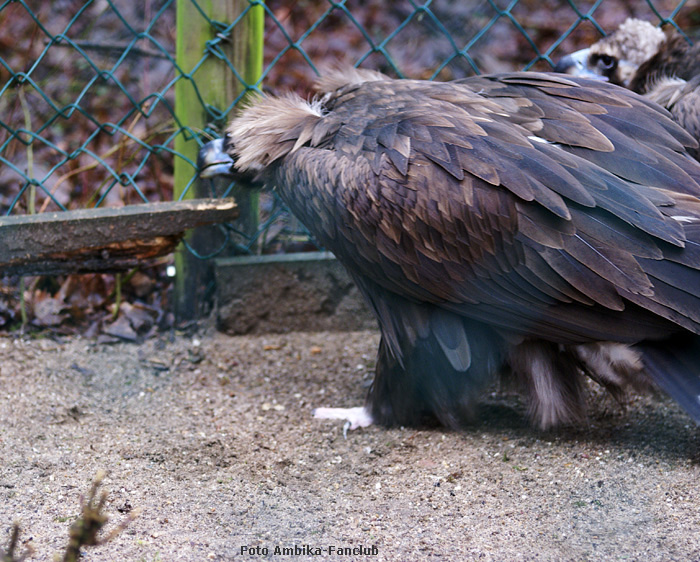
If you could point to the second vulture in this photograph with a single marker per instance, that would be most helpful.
(662, 66)
(534, 225)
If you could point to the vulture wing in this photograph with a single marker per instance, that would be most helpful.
(515, 220)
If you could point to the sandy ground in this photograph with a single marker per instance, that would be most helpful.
(211, 438)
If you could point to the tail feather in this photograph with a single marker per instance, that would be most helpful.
(437, 376)
(674, 365)
(432, 363)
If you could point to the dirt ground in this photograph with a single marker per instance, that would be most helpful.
(211, 438)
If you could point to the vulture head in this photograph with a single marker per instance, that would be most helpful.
(663, 67)
(538, 227)
(214, 159)
(617, 57)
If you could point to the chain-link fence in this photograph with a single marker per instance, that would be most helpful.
(93, 114)
(87, 104)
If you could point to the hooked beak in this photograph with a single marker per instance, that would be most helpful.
(213, 160)
(576, 64)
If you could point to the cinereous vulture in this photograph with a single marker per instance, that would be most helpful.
(664, 67)
(537, 225)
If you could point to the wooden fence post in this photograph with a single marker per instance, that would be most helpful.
(218, 87)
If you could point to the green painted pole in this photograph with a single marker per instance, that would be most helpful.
(218, 87)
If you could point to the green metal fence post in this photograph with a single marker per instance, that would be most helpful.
(218, 87)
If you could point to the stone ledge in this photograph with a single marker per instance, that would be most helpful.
(286, 293)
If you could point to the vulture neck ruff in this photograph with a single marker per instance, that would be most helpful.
(271, 128)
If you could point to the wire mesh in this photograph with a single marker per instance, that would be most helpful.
(87, 114)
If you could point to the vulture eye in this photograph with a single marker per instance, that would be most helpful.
(228, 141)
(606, 62)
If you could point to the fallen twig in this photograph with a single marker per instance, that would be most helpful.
(84, 531)
(9, 556)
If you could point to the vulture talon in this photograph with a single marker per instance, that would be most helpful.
(355, 417)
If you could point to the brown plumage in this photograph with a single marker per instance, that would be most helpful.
(663, 67)
(531, 224)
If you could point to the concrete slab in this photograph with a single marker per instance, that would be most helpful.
(285, 293)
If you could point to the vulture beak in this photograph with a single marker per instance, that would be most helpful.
(577, 65)
(213, 160)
